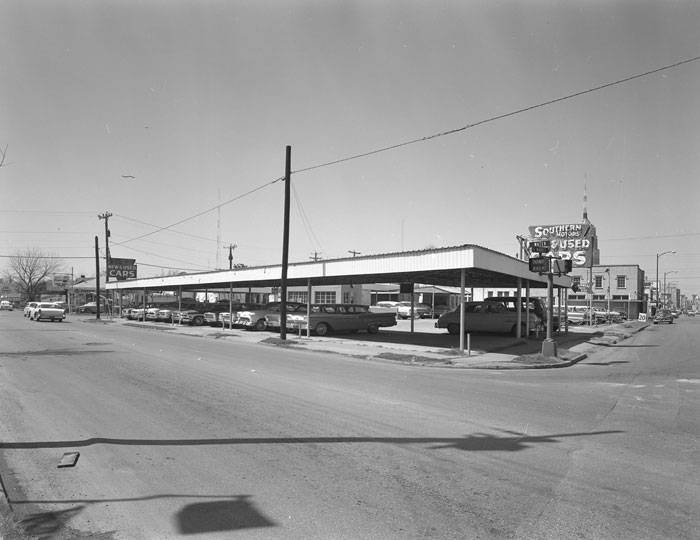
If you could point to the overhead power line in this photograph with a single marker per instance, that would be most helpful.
(167, 227)
(426, 138)
(498, 117)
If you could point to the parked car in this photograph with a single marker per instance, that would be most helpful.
(272, 315)
(6, 305)
(254, 319)
(29, 307)
(663, 316)
(486, 316)
(136, 314)
(536, 306)
(189, 316)
(152, 313)
(419, 311)
(165, 314)
(212, 316)
(46, 310)
(231, 318)
(90, 307)
(691, 313)
(325, 318)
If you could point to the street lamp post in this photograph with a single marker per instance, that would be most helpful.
(607, 271)
(658, 256)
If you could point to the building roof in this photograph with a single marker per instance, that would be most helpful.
(441, 266)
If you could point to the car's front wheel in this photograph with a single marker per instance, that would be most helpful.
(321, 329)
(453, 329)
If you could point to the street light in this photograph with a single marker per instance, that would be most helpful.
(658, 256)
(607, 271)
(665, 274)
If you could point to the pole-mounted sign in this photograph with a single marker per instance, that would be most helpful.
(540, 265)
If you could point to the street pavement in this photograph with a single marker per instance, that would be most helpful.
(427, 345)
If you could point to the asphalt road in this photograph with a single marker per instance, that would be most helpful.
(181, 436)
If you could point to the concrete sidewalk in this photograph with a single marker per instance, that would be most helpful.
(438, 350)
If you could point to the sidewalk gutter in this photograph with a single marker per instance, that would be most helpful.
(497, 357)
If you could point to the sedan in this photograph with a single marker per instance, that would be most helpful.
(29, 307)
(663, 316)
(90, 307)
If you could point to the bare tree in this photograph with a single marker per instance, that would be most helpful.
(30, 269)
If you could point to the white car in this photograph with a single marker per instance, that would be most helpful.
(6, 305)
(47, 310)
(29, 307)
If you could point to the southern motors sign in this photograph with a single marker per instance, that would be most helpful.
(575, 242)
(121, 269)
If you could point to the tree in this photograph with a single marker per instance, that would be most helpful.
(30, 269)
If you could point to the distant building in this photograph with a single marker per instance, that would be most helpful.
(622, 285)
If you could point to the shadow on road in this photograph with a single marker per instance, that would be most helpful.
(475, 442)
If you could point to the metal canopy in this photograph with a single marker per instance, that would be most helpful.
(441, 266)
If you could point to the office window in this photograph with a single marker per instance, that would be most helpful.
(324, 297)
(489, 294)
(577, 297)
(297, 296)
(346, 298)
(598, 282)
(621, 282)
(598, 297)
(621, 297)
(576, 280)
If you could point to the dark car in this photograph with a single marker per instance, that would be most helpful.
(90, 307)
(663, 316)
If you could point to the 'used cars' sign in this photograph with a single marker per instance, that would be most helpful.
(575, 241)
(121, 269)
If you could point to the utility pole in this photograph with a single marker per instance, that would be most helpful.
(231, 247)
(108, 257)
(97, 275)
(285, 243)
(354, 253)
(106, 217)
(316, 256)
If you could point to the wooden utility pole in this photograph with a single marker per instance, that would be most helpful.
(316, 256)
(106, 217)
(285, 243)
(354, 253)
(97, 274)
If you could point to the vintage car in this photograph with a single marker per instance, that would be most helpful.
(213, 315)
(488, 316)
(165, 314)
(535, 306)
(419, 311)
(152, 313)
(90, 307)
(6, 305)
(135, 314)
(663, 316)
(325, 318)
(254, 318)
(47, 310)
(29, 307)
(272, 319)
(192, 317)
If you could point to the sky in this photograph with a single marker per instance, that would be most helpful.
(174, 116)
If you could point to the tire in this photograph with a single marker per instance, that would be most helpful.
(260, 324)
(523, 330)
(198, 321)
(321, 329)
(372, 329)
(453, 329)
